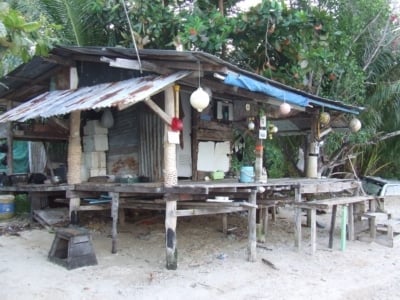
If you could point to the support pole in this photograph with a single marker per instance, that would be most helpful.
(259, 161)
(332, 229)
(170, 229)
(252, 244)
(74, 145)
(297, 220)
(351, 222)
(10, 144)
(343, 231)
(114, 216)
(225, 223)
(313, 220)
(170, 179)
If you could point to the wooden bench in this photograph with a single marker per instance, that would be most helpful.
(391, 226)
(347, 204)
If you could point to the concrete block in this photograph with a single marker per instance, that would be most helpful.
(93, 127)
(98, 142)
(95, 160)
(98, 172)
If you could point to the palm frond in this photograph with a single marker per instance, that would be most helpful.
(75, 18)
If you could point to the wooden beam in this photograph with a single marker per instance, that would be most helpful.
(164, 116)
(207, 211)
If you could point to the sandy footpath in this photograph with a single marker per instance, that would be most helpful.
(211, 265)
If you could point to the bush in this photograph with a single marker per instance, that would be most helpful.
(22, 204)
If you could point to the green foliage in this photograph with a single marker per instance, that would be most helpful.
(274, 160)
(206, 31)
(20, 38)
(22, 204)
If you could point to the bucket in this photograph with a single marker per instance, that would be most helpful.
(7, 206)
(246, 174)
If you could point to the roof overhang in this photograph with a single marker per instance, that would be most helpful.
(120, 94)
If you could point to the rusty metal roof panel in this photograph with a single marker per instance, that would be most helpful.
(122, 93)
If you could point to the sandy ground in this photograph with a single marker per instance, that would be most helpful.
(211, 265)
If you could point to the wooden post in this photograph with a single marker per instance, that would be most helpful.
(313, 149)
(225, 223)
(170, 179)
(297, 219)
(265, 222)
(10, 144)
(313, 220)
(170, 229)
(332, 229)
(262, 223)
(74, 145)
(114, 216)
(170, 169)
(74, 156)
(309, 221)
(252, 244)
(343, 229)
(351, 222)
(259, 160)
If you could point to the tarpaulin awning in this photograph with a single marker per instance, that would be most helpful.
(265, 88)
(122, 93)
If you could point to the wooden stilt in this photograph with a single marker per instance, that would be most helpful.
(308, 218)
(313, 221)
(170, 229)
(252, 244)
(350, 222)
(74, 204)
(114, 215)
(121, 216)
(170, 179)
(332, 229)
(225, 223)
(262, 224)
(343, 228)
(273, 214)
(297, 220)
(265, 222)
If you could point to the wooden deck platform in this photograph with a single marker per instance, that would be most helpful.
(189, 198)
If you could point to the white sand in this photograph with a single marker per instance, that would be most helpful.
(211, 265)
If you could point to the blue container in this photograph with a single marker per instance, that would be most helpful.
(7, 206)
(246, 174)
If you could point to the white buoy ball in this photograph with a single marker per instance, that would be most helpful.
(355, 125)
(285, 108)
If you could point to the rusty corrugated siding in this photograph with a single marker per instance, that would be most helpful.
(151, 146)
(122, 93)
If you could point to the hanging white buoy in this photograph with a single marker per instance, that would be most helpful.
(199, 99)
(285, 108)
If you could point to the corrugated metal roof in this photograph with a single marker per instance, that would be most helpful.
(60, 102)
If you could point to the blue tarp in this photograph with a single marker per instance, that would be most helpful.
(265, 88)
